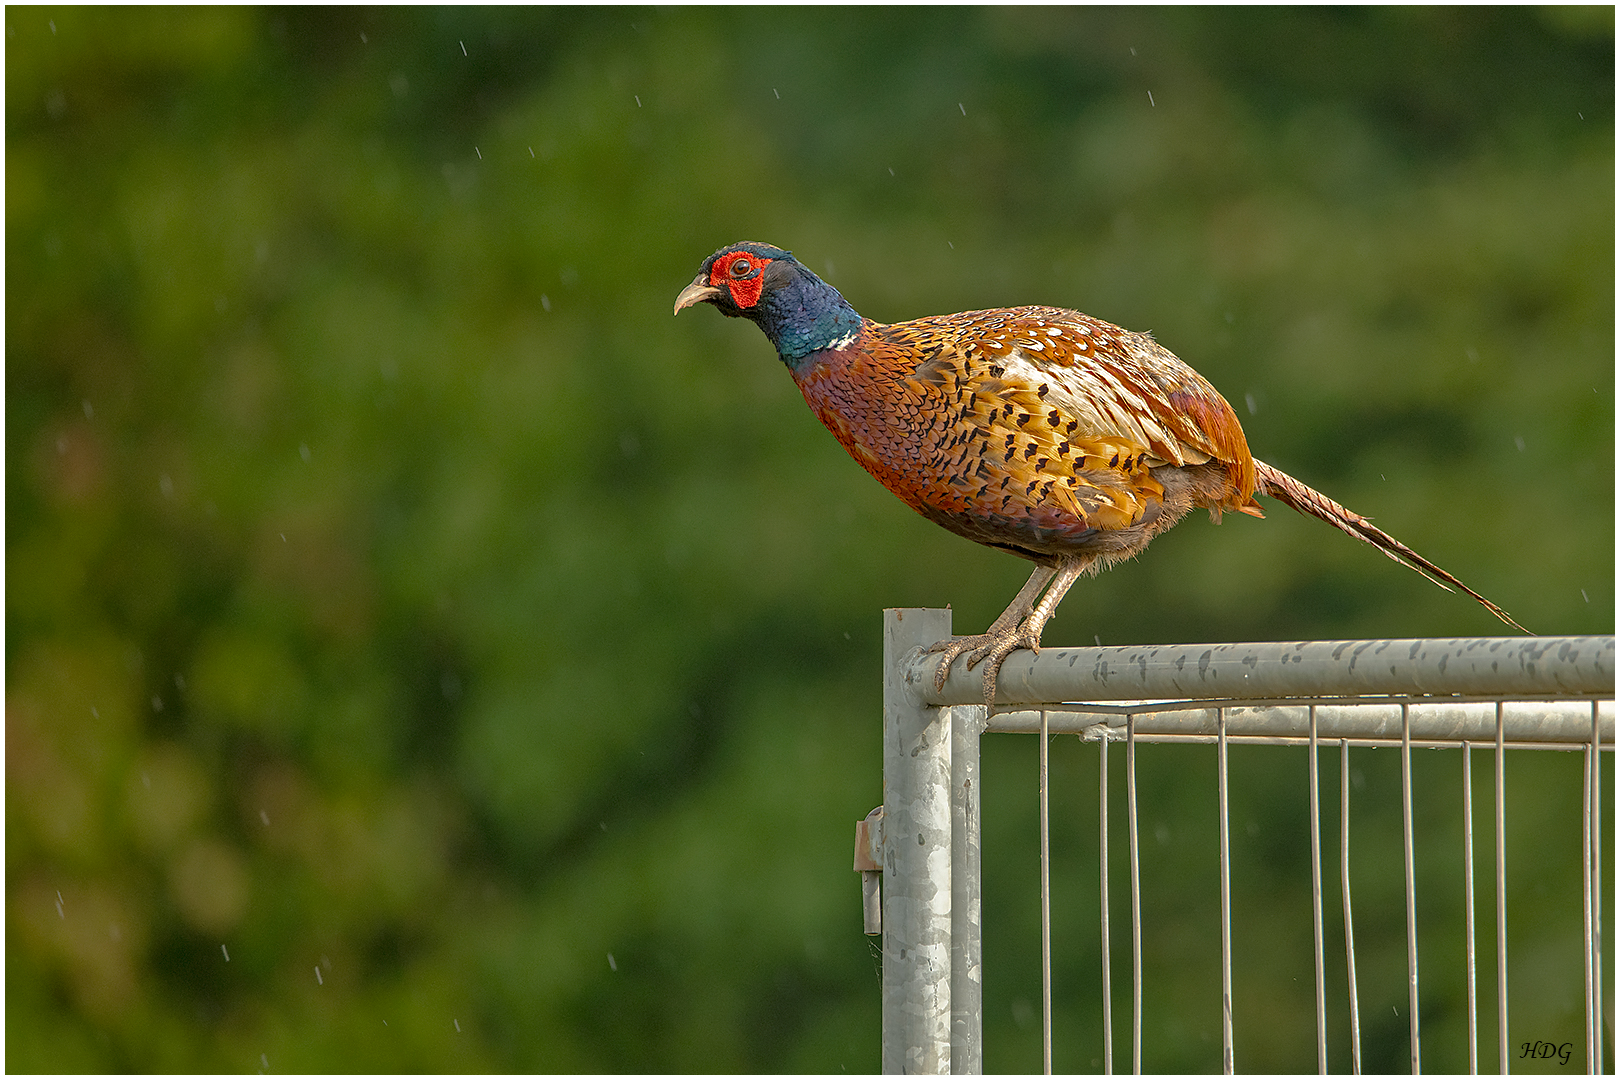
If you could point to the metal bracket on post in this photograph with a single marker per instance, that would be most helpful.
(869, 861)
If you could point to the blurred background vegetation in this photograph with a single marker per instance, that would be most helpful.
(424, 653)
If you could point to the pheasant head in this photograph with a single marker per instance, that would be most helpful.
(800, 313)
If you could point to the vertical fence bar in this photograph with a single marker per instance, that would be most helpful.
(1102, 880)
(1316, 907)
(916, 857)
(1136, 896)
(1046, 911)
(1501, 900)
(1344, 888)
(967, 944)
(1411, 885)
(1597, 891)
(1228, 1064)
(1586, 898)
(1468, 907)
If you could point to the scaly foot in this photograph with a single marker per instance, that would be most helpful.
(992, 649)
(1019, 627)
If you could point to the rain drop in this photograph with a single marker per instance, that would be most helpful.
(456, 1022)
(638, 100)
(318, 980)
(226, 951)
(303, 451)
(463, 45)
(613, 965)
(1150, 99)
(963, 107)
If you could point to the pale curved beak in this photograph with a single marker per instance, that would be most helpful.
(695, 293)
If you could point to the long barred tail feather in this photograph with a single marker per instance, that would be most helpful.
(1307, 500)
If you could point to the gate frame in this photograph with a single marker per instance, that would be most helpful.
(1438, 691)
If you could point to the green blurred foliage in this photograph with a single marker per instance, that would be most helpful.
(423, 653)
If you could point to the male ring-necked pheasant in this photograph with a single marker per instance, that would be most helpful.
(1036, 430)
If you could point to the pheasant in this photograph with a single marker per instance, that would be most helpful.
(1037, 430)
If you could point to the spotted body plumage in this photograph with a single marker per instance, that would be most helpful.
(1037, 430)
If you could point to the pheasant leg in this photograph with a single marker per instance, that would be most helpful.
(1019, 627)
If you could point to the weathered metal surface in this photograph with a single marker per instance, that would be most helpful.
(916, 858)
(1517, 666)
(1432, 721)
(967, 973)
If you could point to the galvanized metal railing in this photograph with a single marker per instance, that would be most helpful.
(1505, 693)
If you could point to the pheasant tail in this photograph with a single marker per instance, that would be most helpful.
(1307, 500)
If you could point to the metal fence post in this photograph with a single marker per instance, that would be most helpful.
(917, 855)
(967, 951)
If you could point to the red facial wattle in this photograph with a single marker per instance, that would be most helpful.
(744, 289)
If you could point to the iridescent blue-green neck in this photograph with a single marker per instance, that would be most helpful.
(802, 314)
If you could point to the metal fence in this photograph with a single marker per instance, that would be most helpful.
(923, 844)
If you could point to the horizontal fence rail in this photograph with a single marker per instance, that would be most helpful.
(1498, 667)
(1433, 723)
(1469, 693)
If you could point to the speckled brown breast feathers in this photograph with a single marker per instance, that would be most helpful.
(1035, 429)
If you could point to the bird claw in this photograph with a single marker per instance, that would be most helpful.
(990, 649)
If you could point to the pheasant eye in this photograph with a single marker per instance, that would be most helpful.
(741, 268)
